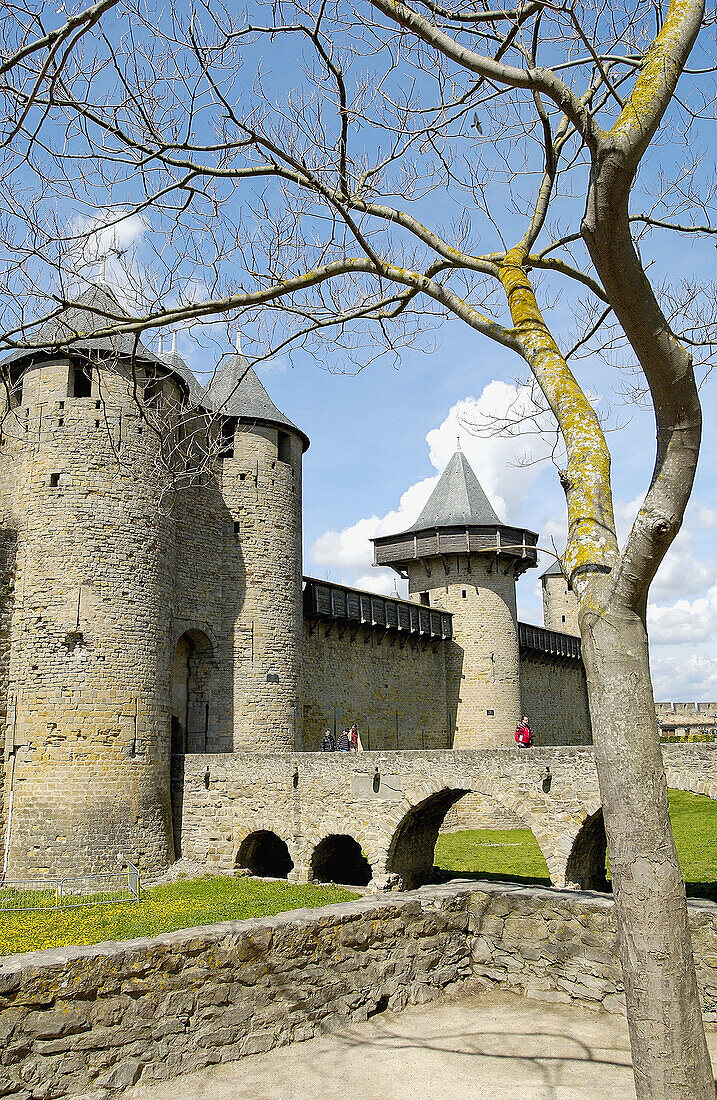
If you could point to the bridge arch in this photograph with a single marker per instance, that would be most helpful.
(265, 854)
(586, 863)
(415, 823)
(339, 858)
(585, 866)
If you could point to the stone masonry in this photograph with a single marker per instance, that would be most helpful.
(393, 804)
(93, 1020)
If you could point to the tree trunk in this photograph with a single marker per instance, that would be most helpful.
(669, 1050)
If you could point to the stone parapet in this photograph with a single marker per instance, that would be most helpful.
(93, 1020)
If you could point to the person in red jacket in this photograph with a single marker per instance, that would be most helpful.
(523, 735)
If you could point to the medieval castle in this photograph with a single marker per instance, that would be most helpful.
(144, 618)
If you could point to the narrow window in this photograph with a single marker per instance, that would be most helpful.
(236, 527)
(425, 599)
(284, 447)
(15, 380)
(82, 381)
(61, 422)
(228, 431)
(54, 481)
(563, 618)
(464, 594)
(152, 391)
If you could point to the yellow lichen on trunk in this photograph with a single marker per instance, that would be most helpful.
(661, 69)
(591, 524)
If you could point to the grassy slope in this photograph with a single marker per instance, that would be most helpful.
(180, 904)
(513, 854)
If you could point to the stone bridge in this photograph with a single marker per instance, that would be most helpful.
(375, 816)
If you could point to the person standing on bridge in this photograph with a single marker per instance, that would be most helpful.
(523, 734)
(328, 742)
(343, 744)
(355, 739)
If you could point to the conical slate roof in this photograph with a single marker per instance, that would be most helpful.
(458, 500)
(176, 364)
(235, 390)
(96, 309)
(554, 570)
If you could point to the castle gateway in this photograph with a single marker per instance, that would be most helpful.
(152, 603)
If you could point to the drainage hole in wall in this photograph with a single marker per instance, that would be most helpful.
(381, 1006)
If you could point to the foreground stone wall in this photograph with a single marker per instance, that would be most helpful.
(94, 1020)
(393, 689)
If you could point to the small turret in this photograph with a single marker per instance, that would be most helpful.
(459, 557)
(261, 487)
(560, 607)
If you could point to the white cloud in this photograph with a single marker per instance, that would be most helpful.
(499, 462)
(685, 680)
(705, 518)
(625, 512)
(681, 574)
(352, 548)
(683, 621)
(506, 464)
(383, 581)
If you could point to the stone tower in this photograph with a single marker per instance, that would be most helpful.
(560, 608)
(261, 487)
(150, 588)
(459, 557)
(87, 583)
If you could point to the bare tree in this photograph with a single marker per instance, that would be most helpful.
(320, 170)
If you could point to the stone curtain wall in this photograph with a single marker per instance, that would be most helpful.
(97, 1019)
(395, 691)
(554, 696)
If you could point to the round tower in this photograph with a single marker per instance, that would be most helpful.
(87, 546)
(560, 607)
(460, 558)
(261, 487)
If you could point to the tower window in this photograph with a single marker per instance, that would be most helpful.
(424, 599)
(237, 527)
(227, 429)
(464, 594)
(81, 381)
(15, 387)
(54, 481)
(284, 447)
(151, 391)
(562, 617)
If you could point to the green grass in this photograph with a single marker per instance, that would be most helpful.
(513, 855)
(509, 855)
(694, 822)
(181, 904)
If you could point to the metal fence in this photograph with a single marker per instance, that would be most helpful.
(21, 894)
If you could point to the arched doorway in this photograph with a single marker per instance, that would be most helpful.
(265, 854)
(338, 858)
(192, 674)
(190, 706)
